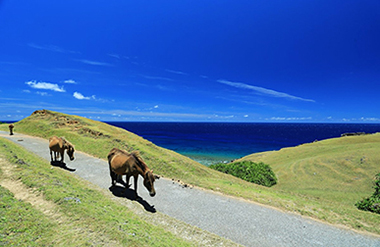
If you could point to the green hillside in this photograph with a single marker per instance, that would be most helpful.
(334, 169)
(322, 180)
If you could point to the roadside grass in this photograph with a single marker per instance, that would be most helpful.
(93, 219)
(322, 180)
(23, 225)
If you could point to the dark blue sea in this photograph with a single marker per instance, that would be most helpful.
(210, 143)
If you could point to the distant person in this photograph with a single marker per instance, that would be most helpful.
(11, 126)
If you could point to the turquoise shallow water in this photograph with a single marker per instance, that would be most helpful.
(210, 158)
(210, 143)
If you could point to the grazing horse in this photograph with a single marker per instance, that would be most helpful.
(130, 164)
(58, 146)
(11, 126)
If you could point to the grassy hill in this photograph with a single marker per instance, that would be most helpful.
(322, 180)
(338, 169)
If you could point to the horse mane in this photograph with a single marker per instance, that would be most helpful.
(137, 155)
(140, 162)
(67, 142)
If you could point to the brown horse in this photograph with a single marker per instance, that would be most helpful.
(130, 164)
(11, 126)
(57, 145)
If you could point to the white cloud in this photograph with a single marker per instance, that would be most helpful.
(156, 106)
(156, 78)
(42, 93)
(176, 72)
(289, 118)
(229, 116)
(159, 115)
(114, 55)
(47, 47)
(359, 120)
(262, 90)
(52, 48)
(370, 119)
(80, 96)
(91, 62)
(46, 86)
(70, 81)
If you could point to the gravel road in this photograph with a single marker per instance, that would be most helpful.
(242, 222)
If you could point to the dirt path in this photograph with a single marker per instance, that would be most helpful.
(21, 192)
(48, 208)
(238, 220)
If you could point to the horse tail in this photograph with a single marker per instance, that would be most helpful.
(112, 174)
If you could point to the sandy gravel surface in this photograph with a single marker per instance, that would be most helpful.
(242, 222)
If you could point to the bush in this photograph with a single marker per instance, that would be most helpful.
(258, 173)
(372, 203)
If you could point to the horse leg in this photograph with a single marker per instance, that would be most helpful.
(127, 178)
(135, 180)
(51, 156)
(113, 176)
(119, 179)
(62, 153)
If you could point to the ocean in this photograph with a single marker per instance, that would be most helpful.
(210, 143)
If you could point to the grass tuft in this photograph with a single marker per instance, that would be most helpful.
(258, 173)
(372, 203)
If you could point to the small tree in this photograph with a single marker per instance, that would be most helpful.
(258, 173)
(371, 203)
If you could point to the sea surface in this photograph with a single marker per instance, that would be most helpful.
(210, 143)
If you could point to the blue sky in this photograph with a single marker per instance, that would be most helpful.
(240, 61)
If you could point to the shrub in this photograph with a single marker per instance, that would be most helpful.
(371, 203)
(258, 173)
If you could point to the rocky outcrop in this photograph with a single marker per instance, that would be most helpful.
(353, 134)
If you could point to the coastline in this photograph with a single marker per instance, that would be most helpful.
(208, 159)
(210, 143)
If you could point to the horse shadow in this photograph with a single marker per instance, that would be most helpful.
(62, 165)
(126, 192)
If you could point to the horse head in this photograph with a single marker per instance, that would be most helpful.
(149, 182)
(70, 150)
